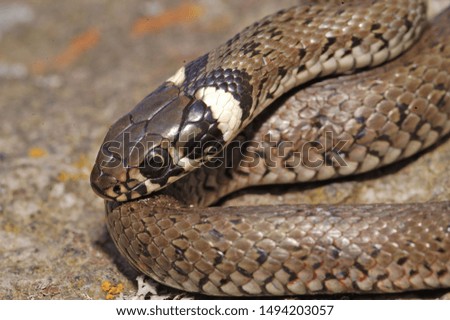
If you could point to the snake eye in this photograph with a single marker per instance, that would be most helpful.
(156, 163)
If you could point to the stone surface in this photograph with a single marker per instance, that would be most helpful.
(68, 69)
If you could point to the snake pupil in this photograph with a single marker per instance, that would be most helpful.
(155, 163)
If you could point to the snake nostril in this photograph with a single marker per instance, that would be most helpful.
(116, 189)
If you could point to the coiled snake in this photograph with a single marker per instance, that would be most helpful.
(337, 127)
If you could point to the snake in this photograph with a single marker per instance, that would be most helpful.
(322, 90)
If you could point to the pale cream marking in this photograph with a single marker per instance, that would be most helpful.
(110, 193)
(346, 63)
(226, 116)
(375, 47)
(349, 168)
(315, 69)
(369, 163)
(363, 60)
(224, 108)
(252, 287)
(304, 174)
(396, 51)
(297, 287)
(330, 66)
(135, 174)
(326, 172)
(179, 77)
(339, 53)
(270, 178)
(135, 195)
(229, 288)
(432, 137)
(445, 128)
(358, 51)
(391, 155)
(412, 147)
(121, 198)
(188, 164)
(290, 81)
(380, 56)
(424, 130)
(151, 186)
(394, 42)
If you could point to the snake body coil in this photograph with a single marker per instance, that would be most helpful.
(197, 122)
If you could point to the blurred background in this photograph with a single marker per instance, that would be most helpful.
(68, 70)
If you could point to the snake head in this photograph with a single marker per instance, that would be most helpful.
(168, 134)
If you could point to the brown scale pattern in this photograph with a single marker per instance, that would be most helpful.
(297, 43)
(387, 114)
(373, 119)
(287, 250)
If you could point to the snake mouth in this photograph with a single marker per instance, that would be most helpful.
(100, 183)
(111, 189)
(99, 192)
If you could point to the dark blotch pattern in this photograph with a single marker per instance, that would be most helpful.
(195, 68)
(198, 130)
(356, 41)
(379, 36)
(330, 42)
(251, 49)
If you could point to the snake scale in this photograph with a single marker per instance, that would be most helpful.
(291, 98)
